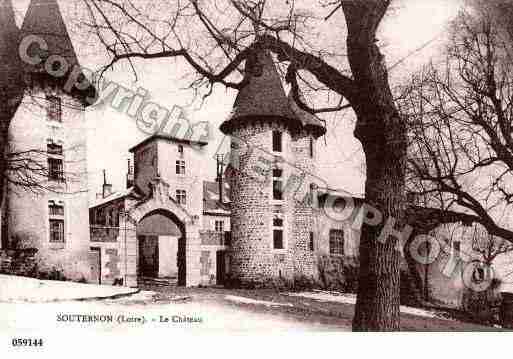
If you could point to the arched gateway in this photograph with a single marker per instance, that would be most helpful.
(138, 247)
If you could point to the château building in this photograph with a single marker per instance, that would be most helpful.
(268, 217)
(264, 220)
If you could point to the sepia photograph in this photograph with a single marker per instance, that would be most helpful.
(254, 166)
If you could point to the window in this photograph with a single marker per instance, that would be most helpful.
(278, 233)
(56, 230)
(219, 226)
(180, 167)
(277, 141)
(55, 169)
(311, 147)
(337, 242)
(311, 241)
(180, 150)
(56, 221)
(55, 209)
(181, 196)
(54, 149)
(54, 109)
(277, 184)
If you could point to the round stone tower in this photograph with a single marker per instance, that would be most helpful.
(262, 127)
(305, 154)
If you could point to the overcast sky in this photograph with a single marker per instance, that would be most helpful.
(404, 35)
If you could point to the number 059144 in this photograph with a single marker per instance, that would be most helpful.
(27, 342)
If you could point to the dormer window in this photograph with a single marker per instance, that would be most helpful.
(54, 108)
(277, 141)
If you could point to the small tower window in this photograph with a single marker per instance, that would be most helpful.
(180, 150)
(311, 241)
(180, 167)
(277, 184)
(277, 141)
(278, 233)
(311, 147)
(54, 108)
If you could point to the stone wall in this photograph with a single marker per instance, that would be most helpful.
(303, 199)
(19, 262)
(253, 259)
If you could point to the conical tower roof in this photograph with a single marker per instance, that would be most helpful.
(44, 19)
(10, 65)
(310, 122)
(263, 97)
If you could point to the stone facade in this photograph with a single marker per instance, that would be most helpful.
(29, 216)
(253, 258)
(303, 199)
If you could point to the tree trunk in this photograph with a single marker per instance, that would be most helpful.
(383, 136)
(377, 307)
(8, 108)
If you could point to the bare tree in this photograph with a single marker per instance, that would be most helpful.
(487, 246)
(216, 37)
(461, 145)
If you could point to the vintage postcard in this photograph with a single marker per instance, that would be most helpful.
(254, 166)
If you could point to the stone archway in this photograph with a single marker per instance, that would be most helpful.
(160, 202)
(162, 242)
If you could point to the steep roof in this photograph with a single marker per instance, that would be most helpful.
(10, 32)
(263, 95)
(44, 19)
(10, 66)
(310, 122)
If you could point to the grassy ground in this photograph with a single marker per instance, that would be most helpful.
(307, 310)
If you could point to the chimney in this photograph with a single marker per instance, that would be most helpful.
(130, 175)
(219, 179)
(107, 187)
